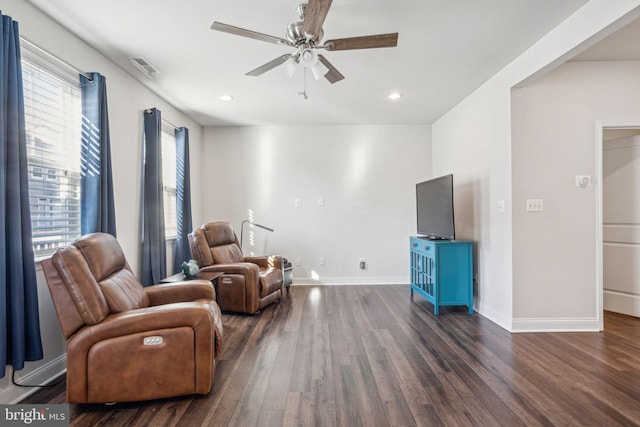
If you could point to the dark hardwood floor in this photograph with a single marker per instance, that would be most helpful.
(370, 356)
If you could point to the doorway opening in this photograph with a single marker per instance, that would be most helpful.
(618, 235)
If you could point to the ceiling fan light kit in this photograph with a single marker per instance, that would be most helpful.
(308, 58)
(306, 36)
(319, 70)
(290, 66)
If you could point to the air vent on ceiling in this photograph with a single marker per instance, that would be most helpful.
(145, 68)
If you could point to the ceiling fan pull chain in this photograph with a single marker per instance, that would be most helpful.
(304, 84)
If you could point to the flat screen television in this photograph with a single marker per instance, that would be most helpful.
(434, 203)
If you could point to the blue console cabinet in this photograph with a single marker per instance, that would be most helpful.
(442, 271)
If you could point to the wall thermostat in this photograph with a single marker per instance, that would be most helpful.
(583, 181)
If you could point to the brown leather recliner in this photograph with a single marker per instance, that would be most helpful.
(125, 342)
(248, 283)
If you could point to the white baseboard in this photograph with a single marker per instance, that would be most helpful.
(619, 302)
(555, 325)
(495, 316)
(42, 375)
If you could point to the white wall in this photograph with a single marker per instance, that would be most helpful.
(473, 141)
(365, 174)
(554, 139)
(621, 225)
(127, 99)
(467, 145)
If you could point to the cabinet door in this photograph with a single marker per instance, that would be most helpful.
(423, 269)
(453, 274)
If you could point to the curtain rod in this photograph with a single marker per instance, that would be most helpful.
(170, 124)
(52, 56)
(76, 69)
(165, 121)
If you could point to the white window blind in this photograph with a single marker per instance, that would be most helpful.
(53, 118)
(169, 181)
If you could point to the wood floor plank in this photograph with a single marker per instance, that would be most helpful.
(372, 356)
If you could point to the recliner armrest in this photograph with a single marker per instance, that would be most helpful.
(266, 261)
(199, 315)
(184, 291)
(239, 286)
(243, 268)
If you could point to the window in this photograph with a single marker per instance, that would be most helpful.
(169, 181)
(53, 108)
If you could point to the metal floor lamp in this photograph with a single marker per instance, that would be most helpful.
(251, 223)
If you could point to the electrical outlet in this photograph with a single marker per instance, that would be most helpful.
(535, 205)
(298, 261)
(298, 203)
(321, 261)
(362, 264)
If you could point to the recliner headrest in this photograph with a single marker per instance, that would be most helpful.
(105, 258)
(219, 233)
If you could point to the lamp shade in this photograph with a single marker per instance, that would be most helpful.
(308, 58)
(290, 66)
(319, 70)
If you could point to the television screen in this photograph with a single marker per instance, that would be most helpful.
(434, 203)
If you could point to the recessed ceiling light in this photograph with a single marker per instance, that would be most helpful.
(394, 95)
(226, 97)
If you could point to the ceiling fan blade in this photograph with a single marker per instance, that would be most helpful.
(363, 42)
(314, 16)
(269, 65)
(333, 75)
(219, 26)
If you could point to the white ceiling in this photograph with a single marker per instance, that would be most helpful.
(446, 49)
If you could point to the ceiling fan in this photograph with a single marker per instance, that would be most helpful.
(306, 37)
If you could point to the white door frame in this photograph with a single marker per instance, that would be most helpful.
(601, 125)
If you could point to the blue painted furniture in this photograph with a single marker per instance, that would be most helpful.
(442, 271)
